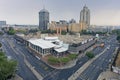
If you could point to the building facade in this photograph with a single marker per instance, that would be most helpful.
(2, 23)
(85, 16)
(43, 19)
(71, 27)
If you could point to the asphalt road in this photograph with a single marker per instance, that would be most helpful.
(23, 70)
(65, 73)
(38, 65)
(54, 74)
(102, 63)
(47, 72)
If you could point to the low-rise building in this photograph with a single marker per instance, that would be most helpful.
(41, 46)
(48, 45)
(77, 43)
(63, 26)
(57, 46)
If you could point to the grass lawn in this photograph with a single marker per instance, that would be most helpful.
(55, 61)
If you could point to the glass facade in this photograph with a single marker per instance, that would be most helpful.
(43, 19)
(40, 50)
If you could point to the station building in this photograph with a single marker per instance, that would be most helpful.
(48, 45)
(57, 46)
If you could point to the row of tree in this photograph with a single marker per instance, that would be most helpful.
(85, 32)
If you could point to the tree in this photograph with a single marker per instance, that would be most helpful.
(48, 31)
(11, 31)
(71, 33)
(118, 38)
(63, 32)
(90, 54)
(7, 67)
(0, 45)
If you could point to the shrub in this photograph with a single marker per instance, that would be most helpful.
(72, 56)
(89, 54)
(64, 60)
(53, 60)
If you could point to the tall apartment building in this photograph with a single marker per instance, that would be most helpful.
(43, 19)
(85, 16)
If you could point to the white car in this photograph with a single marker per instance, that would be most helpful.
(37, 57)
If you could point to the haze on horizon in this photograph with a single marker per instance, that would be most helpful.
(103, 12)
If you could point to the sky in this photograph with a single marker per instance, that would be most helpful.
(103, 12)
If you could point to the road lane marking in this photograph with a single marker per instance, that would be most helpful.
(85, 66)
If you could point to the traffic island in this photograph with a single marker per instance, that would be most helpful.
(64, 62)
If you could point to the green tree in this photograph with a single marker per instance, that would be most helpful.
(7, 67)
(11, 31)
(49, 31)
(0, 45)
(118, 38)
(63, 32)
(90, 54)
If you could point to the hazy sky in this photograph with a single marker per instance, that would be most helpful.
(103, 12)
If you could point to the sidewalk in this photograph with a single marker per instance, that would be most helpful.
(38, 76)
(17, 77)
(85, 66)
(108, 75)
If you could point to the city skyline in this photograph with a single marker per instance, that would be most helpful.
(26, 11)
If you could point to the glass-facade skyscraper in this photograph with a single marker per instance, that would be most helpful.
(43, 19)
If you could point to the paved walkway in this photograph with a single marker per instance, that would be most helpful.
(85, 66)
(17, 77)
(108, 75)
(38, 76)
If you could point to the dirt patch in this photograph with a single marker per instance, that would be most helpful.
(118, 60)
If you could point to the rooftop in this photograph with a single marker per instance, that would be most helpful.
(42, 43)
(44, 10)
(74, 38)
(46, 44)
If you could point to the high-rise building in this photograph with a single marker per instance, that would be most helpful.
(43, 19)
(2, 23)
(85, 16)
